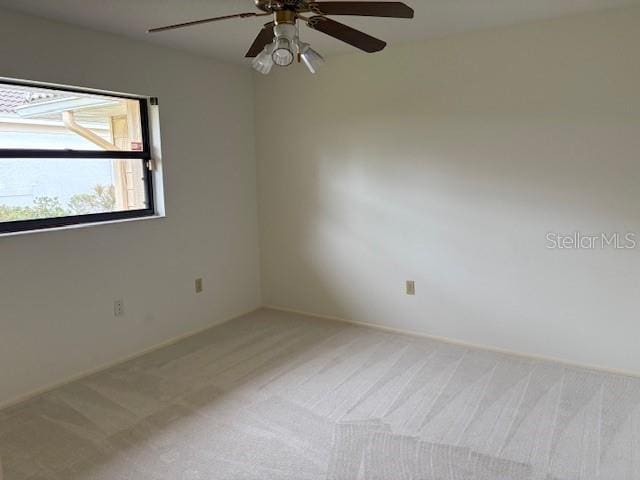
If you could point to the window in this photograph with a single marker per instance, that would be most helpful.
(69, 157)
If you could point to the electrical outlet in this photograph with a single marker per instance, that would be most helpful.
(411, 287)
(118, 308)
(199, 285)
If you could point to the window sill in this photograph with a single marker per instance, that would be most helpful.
(82, 225)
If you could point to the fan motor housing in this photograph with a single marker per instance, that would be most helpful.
(282, 5)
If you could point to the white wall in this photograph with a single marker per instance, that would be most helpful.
(447, 163)
(57, 288)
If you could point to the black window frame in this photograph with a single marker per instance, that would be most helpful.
(144, 156)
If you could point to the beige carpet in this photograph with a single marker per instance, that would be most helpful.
(279, 396)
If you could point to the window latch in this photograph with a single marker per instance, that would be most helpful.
(151, 166)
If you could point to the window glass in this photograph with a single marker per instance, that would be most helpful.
(38, 118)
(36, 188)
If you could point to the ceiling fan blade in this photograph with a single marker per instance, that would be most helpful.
(264, 38)
(347, 34)
(206, 20)
(364, 9)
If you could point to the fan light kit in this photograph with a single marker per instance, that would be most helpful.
(278, 43)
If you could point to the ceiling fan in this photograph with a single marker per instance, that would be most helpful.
(278, 43)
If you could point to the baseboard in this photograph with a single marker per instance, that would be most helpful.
(88, 373)
(80, 376)
(461, 343)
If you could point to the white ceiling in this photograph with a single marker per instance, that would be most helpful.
(229, 40)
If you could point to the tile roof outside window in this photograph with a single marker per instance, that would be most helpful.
(12, 98)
